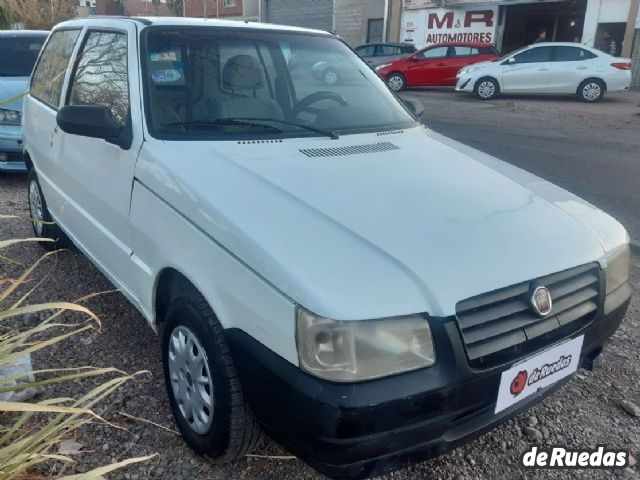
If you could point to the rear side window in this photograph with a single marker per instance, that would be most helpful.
(46, 84)
(101, 74)
(408, 49)
(366, 51)
(461, 51)
(572, 54)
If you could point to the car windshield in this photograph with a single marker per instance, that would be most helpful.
(19, 54)
(218, 82)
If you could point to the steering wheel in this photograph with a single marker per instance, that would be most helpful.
(309, 100)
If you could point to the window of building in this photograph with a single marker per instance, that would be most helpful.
(101, 74)
(46, 84)
(229, 3)
(375, 30)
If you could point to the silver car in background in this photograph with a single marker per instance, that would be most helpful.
(20, 49)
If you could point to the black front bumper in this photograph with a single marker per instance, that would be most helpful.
(356, 430)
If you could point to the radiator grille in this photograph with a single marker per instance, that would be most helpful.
(501, 326)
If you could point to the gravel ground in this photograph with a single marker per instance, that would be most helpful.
(583, 414)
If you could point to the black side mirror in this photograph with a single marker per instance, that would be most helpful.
(415, 106)
(93, 121)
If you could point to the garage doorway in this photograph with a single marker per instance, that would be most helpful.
(562, 21)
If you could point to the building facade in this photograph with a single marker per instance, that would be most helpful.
(356, 21)
(605, 24)
(193, 8)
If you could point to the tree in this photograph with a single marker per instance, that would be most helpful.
(175, 6)
(38, 14)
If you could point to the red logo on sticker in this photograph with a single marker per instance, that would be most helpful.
(518, 383)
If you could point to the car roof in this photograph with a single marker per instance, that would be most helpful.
(558, 44)
(391, 44)
(460, 44)
(187, 22)
(23, 33)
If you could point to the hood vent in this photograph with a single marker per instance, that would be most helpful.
(350, 150)
(391, 132)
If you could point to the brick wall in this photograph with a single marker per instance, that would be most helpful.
(352, 18)
(195, 8)
(635, 62)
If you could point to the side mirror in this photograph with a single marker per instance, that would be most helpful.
(415, 106)
(510, 61)
(89, 121)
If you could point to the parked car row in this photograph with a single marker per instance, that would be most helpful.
(543, 68)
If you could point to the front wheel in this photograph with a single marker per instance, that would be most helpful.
(486, 88)
(204, 390)
(43, 226)
(591, 91)
(396, 82)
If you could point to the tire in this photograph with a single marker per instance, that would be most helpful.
(591, 90)
(486, 88)
(330, 77)
(396, 82)
(41, 220)
(229, 430)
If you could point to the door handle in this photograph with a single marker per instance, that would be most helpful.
(582, 67)
(543, 69)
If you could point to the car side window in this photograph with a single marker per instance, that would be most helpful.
(462, 51)
(535, 55)
(571, 54)
(366, 51)
(435, 52)
(48, 76)
(384, 50)
(101, 74)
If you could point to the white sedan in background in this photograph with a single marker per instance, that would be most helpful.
(548, 68)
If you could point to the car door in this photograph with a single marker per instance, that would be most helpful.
(459, 57)
(527, 71)
(97, 174)
(427, 67)
(569, 67)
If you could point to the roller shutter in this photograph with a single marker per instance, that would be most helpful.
(316, 14)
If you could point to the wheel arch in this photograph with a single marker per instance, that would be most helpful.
(592, 77)
(27, 160)
(169, 282)
(490, 77)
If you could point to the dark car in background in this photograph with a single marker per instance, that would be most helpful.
(434, 66)
(377, 53)
(19, 52)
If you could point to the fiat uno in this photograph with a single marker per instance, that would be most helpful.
(320, 265)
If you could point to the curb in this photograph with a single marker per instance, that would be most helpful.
(635, 246)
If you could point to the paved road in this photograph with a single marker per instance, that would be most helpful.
(590, 150)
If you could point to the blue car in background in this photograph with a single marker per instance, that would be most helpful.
(19, 51)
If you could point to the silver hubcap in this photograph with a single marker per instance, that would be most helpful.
(591, 91)
(396, 83)
(331, 78)
(190, 379)
(35, 207)
(486, 89)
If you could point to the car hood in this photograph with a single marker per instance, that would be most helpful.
(377, 225)
(10, 88)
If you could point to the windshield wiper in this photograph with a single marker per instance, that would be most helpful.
(328, 133)
(221, 122)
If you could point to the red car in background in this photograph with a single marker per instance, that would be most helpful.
(434, 66)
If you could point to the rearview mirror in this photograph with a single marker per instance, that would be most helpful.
(93, 121)
(415, 106)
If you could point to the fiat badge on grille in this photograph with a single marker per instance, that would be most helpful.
(541, 301)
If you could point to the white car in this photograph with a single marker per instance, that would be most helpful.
(324, 267)
(548, 68)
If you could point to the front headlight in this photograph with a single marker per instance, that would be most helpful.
(617, 271)
(349, 351)
(9, 117)
(380, 67)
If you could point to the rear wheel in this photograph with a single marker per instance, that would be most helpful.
(591, 90)
(41, 221)
(486, 88)
(396, 82)
(204, 390)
